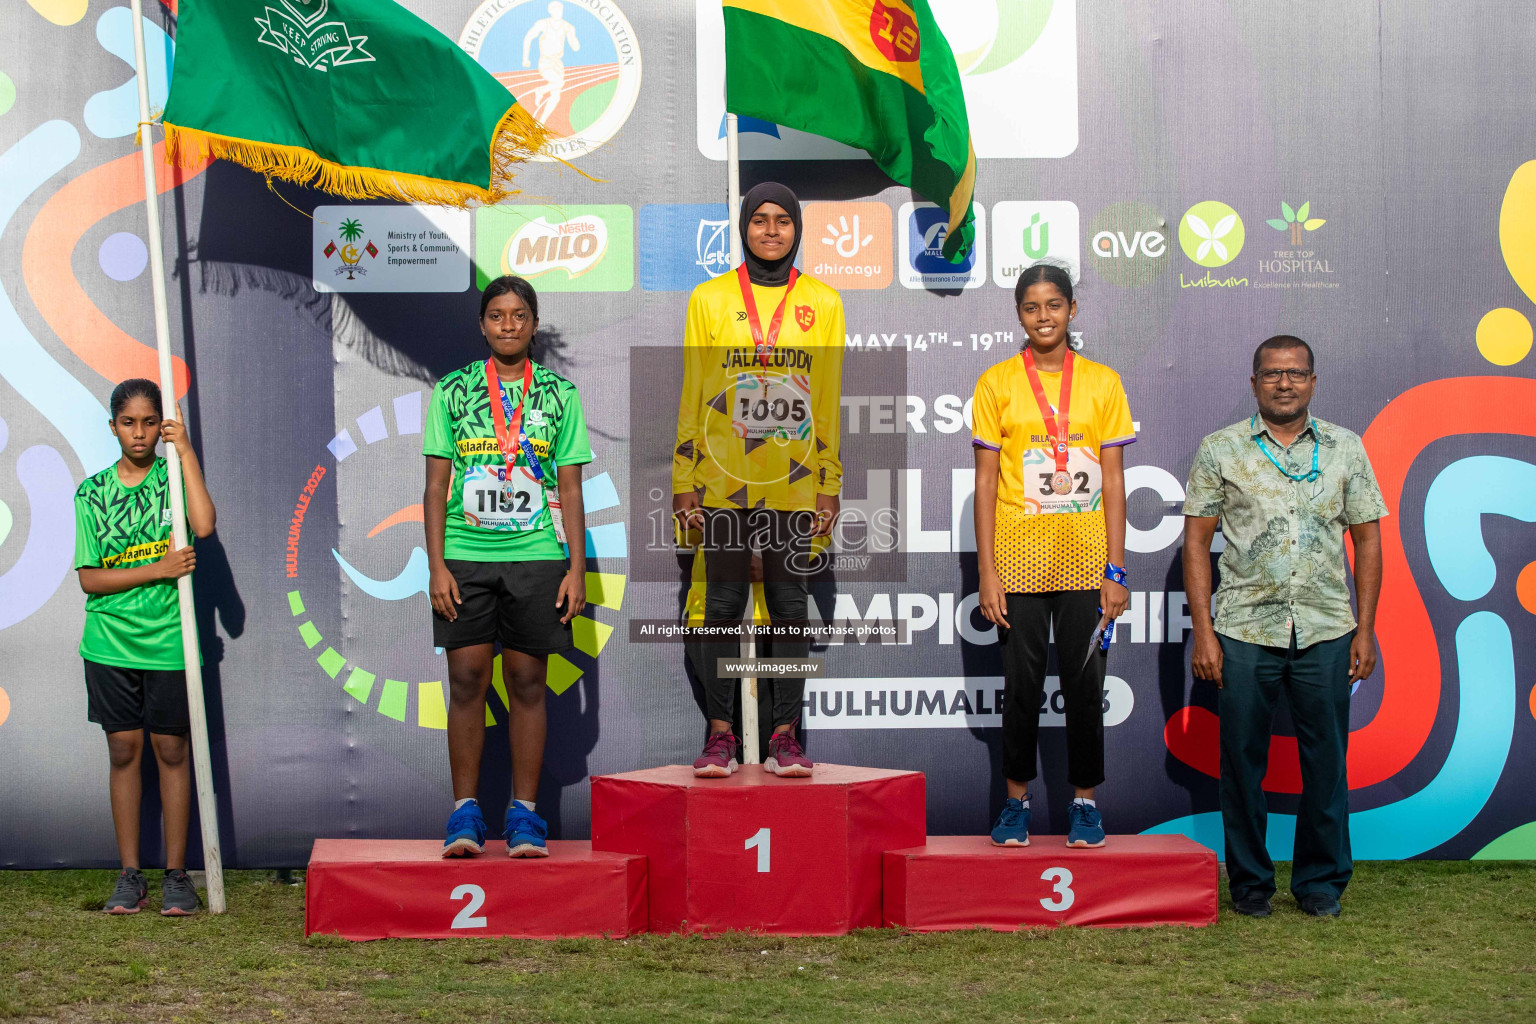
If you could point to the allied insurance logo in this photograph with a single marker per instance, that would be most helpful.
(573, 64)
(360, 607)
(558, 248)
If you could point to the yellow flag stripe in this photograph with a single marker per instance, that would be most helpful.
(845, 22)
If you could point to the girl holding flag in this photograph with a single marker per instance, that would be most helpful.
(505, 441)
(1049, 429)
(135, 668)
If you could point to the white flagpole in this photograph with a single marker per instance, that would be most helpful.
(207, 805)
(749, 724)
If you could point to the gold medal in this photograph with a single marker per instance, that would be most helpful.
(1061, 483)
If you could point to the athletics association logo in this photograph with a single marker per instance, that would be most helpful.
(300, 28)
(357, 596)
(574, 65)
(350, 231)
(559, 248)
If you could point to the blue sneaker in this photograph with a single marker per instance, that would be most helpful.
(466, 831)
(525, 833)
(1087, 827)
(1012, 828)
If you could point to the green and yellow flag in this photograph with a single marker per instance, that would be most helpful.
(359, 98)
(875, 74)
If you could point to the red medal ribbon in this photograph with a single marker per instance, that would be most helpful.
(507, 435)
(764, 345)
(1057, 429)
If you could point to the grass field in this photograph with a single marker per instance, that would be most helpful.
(1431, 942)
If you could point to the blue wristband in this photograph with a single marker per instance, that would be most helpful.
(1114, 573)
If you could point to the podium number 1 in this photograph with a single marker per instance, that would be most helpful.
(760, 840)
(475, 897)
(1063, 889)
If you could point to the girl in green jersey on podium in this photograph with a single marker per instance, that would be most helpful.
(135, 670)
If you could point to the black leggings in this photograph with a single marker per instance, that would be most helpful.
(783, 540)
(1075, 615)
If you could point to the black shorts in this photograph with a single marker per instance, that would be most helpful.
(123, 699)
(513, 602)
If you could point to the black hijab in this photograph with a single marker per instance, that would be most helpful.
(769, 273)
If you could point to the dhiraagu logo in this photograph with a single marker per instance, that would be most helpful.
(1211, 234)
(358, 582)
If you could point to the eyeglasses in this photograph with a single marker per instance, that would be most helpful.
(1273, 376)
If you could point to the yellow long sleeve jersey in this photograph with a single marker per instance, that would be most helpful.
(756, 436)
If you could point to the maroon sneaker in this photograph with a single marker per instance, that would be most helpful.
(785, 757)
(719, 758)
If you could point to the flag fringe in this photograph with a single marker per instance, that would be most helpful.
(517, 138)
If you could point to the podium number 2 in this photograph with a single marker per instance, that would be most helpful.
(760, 840)
(1063, 889)
(476, 899)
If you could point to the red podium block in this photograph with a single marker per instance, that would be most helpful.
(966, 882)
(757, 852)
(404, 889)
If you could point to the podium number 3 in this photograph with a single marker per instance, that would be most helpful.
(475, 897)
(1063, 889)
(760, 840)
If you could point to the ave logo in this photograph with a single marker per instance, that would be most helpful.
(1129, 244)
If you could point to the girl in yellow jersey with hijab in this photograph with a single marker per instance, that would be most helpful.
(756, 459)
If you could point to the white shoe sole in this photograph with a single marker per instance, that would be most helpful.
(462, 848)
(1011, 842)
(716, 772)
(1085, 845)
(527, 850)
(792, 771)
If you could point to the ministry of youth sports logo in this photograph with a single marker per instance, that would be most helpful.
(573, 64)
(300, 28)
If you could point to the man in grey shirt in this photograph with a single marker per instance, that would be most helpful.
(1284, 487)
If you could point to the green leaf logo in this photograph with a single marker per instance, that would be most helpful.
(1296, 220)
(1211, 234)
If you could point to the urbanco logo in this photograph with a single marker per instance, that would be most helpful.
(574, 65)
(1211, 234)
(380, 574)
(1128, 244)
(1025, 233)
(558, 248)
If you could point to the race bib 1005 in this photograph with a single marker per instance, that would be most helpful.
(771, 405)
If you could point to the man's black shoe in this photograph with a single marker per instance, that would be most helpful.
(1319, 904)
(1252, 906)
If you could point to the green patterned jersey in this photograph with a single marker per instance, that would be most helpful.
(494, 516)
(118, 527)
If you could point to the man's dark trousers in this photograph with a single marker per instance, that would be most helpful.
(1316, 684)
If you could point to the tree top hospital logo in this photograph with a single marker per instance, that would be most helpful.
(360, 606)
(1211, 234)
(573, 64)
(1004, 49)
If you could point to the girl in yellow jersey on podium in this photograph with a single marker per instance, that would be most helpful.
(1049, 431)
(756, 464)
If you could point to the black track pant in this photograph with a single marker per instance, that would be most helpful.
(1075, 615)
(729, 538)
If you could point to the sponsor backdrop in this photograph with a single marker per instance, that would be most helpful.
(1214, 173)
